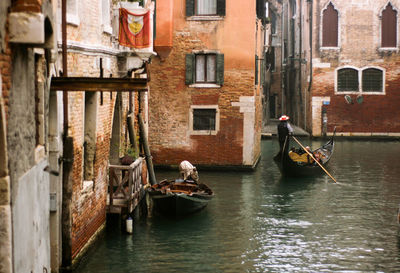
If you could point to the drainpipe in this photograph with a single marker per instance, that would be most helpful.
(300, 53)
(311, 55)
(67, 157)
(282, 58)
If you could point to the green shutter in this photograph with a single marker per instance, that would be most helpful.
(221, 7)
(220, 69)
(189, 8)
(190, 69)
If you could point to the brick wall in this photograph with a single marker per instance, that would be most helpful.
(88, 208)
(359, 37)
(5, 71)
(170, 101)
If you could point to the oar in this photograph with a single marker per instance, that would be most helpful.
(310, 154)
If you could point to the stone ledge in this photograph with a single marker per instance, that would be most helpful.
(27, 28)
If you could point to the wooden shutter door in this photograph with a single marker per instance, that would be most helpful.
(189, 8)
(190, 68)
(221, 7)
(330, 24)
(220, 69)
(389, 27)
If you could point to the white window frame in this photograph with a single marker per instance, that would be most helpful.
(360, 88)
(204, 132)
(321, 29)
(72, 13)
(383, 49)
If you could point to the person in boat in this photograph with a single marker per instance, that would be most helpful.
(188, 171)
(301, 157)
(284, 130)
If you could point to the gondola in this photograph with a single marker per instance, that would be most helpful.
(179, 198)
(289, 167)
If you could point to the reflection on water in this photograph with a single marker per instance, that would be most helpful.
(263, 222)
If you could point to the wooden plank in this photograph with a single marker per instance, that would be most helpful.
(97, 84)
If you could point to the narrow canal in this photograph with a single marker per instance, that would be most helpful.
(261, 222)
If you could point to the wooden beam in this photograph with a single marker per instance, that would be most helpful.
(97, 84)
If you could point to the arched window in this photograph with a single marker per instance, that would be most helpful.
(347, 80)
(389, 27)
(372, 80)
(330, 24)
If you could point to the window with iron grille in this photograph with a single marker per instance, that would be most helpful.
(372, 80)
(204, 119)
(330, 25)
(389, 27)
(205, 7)
(347, 80)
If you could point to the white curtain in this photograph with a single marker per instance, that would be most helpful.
(206, 7)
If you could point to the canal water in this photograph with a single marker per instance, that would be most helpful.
(262, 222)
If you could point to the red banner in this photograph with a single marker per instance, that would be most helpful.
(134, 29)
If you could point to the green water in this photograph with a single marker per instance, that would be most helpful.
(261, 222)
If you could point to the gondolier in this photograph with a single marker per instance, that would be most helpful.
(284, 129)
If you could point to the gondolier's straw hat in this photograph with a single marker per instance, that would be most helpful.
(284, 118)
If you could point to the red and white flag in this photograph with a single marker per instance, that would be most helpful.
(134, 29)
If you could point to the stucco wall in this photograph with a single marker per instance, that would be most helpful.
(29, 184)
(170, 99)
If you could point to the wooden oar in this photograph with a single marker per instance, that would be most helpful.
(310, 154)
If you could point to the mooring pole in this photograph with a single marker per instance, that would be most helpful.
(149, 160)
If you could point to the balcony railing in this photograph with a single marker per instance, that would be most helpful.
(125, 186)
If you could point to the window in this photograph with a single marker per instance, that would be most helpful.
(293, 8)
(89, 144)
(372, 80)
(368, 80)
(273, 22)
(105, 16)
(204, 119)
(347, 79)
(205, 7)
(389, 27)
(261, 9)
(205, 68)
(72, 12)
(330, 25)
(270, 58)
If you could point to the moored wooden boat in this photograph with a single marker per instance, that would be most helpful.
(179, 198)
(292, 168)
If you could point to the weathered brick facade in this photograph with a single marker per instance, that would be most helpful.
(238, 99)
(89, 202)
(359, 47)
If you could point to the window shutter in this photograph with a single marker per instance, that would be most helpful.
(220, 69)
(389, 27)
(190, 68)
(330, 24)
(221, 7)
(260, 9)
(189, 8)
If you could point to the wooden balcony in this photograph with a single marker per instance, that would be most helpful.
(125, 187)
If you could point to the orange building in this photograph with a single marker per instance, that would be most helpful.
(205, 101)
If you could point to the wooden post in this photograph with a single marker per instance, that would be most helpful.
(149, 160)
(132, 133)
